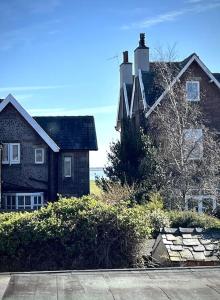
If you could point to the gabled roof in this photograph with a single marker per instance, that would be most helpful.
(182, 67)
(10, 99)
(125, 95)
(70, 133)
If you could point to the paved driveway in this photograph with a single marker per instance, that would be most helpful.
(184, 283)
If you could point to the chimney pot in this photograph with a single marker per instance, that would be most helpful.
(125, 57)
(142, 41)
(141, 56)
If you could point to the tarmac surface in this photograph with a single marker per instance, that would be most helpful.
(174, 283)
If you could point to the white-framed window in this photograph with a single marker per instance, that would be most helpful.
(22, 201)
(39, 155)
(11, 153)
(201, 203)
(193, 90)
(193, 143)
(67, 166)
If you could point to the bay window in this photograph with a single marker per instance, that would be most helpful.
(22, 201)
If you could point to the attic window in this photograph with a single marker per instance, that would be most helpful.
(193, 90)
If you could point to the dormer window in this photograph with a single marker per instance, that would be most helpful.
(192, 91)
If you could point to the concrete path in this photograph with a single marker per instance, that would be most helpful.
(176, 283)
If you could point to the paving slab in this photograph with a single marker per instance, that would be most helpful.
(130, 284)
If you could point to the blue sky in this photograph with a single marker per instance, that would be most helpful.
(61, 57)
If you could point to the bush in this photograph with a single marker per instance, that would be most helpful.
(73, 234)
(192, 219)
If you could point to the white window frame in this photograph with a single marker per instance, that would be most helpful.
(32, 196)
(6, 161)
(198, 132)
(198, 90)
(35, 156)
(13, 161)
(10, 160)
(200, 199)
(70, 161)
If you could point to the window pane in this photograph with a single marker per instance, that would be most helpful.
(5, 153)
(39, 157)
(207, 205)
(27, 200)
(21, 200)
(8, 202)
(39, 200)
(15, 152)
(35, 199)
(67, 166)
(13, 202)
(193, 204)
(193, 91)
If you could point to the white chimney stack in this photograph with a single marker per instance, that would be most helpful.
(125, 71)
(141, 56)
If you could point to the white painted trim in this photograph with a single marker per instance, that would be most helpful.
(14, 162)
(200, 63)
(200, 199)
(132, 98)
(35, 156)
(142, 88)
(126, 99)
(31, 206)
(30, 120)
(10, 160)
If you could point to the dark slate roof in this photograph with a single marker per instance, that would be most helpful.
(190, 244)
(217, 76)
(153, 90)
(70, 133)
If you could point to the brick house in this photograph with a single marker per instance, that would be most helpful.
(42, 156)
(139, 96)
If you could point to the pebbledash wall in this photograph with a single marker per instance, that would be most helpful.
(27, 176)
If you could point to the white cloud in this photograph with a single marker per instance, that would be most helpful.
(173, 15)
(72, 112)
(11, 89)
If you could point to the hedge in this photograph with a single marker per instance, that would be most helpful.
(85, 233)
(72, 234)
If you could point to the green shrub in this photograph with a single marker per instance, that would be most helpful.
(155, 202)
(72, 234)
(158, 219)
(192, 219)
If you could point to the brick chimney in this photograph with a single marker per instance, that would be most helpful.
(125, 70)
(141, 56)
